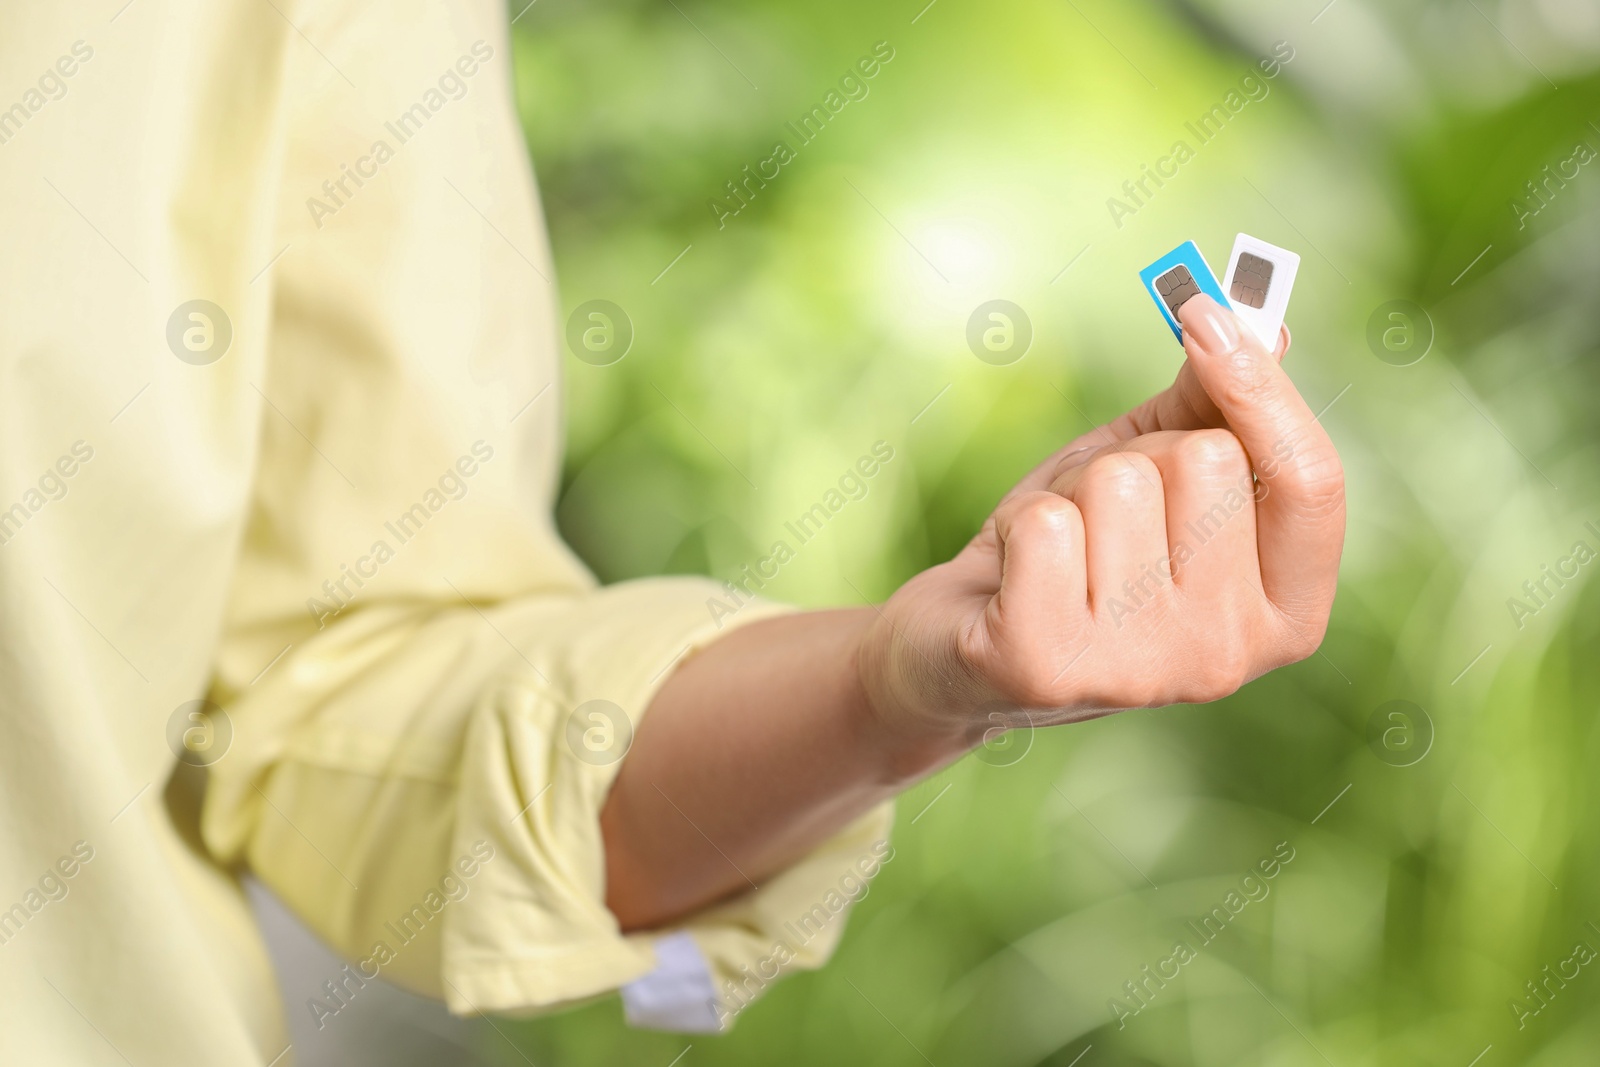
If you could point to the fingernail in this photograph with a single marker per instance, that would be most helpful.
(1212, 328)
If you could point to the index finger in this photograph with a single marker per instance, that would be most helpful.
(1300, 521)
(1183, 405)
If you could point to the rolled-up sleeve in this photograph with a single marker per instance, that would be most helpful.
(427, 695)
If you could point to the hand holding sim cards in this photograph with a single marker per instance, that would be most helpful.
(1256, 287)
(1168, 556)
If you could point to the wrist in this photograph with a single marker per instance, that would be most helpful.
(904, 741)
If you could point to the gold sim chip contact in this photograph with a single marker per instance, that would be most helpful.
(1259, 278)
(1176, 278)
(1176, 287)
(1250, 280)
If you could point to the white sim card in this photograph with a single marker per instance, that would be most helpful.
(1258, 282)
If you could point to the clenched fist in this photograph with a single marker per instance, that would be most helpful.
(1169, 557)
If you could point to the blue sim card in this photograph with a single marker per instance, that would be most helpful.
(1177, 276)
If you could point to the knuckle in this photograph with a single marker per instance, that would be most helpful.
(1221, 673)
(1147, 695)
(1224, 656)
(1047, 511)
(1123, 476)
(1032, 684)
(1317, 479)
(1214, 452)
(1037, 515)
(1231, 674)
(1248, 379)
(1036, 691)
(1130, 689)
(1302, 641)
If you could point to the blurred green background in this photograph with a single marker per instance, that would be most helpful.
(1392, 152)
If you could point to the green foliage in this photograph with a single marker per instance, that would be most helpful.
(831, 310)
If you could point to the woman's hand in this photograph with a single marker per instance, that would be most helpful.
(1063, 607)
(1169, 557)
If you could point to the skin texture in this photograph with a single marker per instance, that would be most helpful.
(1168, 557)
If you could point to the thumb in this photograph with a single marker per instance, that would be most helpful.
(1183, 405)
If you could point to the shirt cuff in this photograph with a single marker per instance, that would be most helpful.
(794, 921)
(539, 757)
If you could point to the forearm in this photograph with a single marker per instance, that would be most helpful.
(754, 751)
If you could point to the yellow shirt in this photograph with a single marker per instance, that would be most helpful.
(281, 428)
